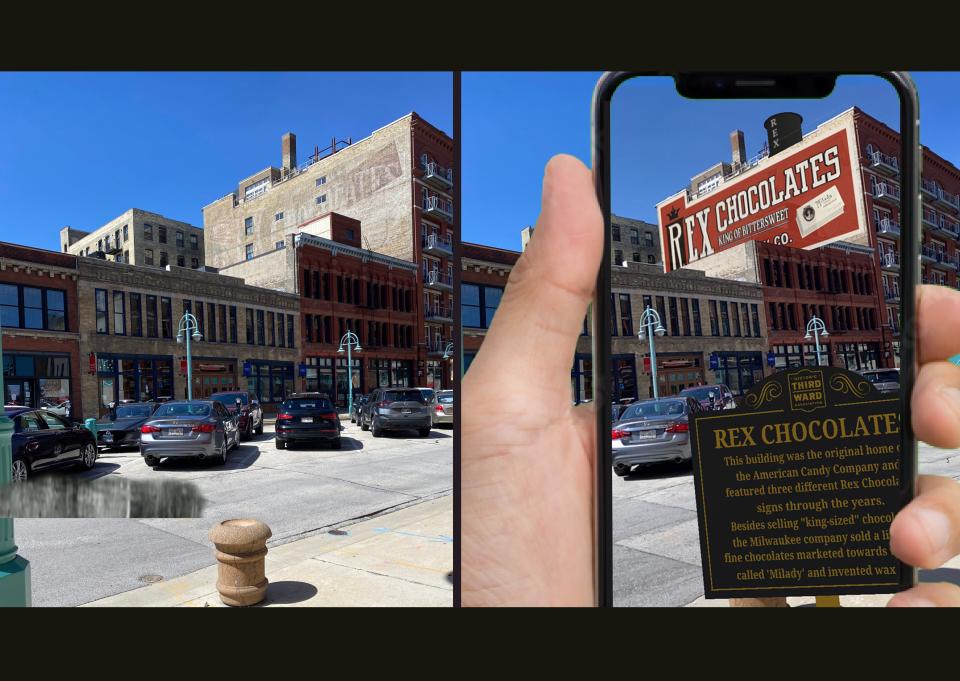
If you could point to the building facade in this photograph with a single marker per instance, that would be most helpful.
(139, 237)
(38, 316)
(129, 320)
(483, 277)
(634, 241)
(398, 182)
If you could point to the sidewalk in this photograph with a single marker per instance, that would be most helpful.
(401, 558)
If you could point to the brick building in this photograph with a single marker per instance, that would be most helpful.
(483, 276)
(139, 237)
(38, 314)
(128, 323)
(397, 182)
(633, 241)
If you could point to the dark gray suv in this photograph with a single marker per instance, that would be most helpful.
(396, 409)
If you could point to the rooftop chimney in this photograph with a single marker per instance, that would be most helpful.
(783, 130)
(738, 148)
(289, 148)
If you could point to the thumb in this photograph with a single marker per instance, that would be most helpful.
(534, 333)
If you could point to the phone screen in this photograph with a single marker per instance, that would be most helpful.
(756, 267)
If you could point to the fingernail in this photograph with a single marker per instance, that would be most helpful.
(936, 525)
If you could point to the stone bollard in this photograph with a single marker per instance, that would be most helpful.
(241, 554)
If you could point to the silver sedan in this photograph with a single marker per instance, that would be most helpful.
(197, 428)
(653, 431)
(441, 406)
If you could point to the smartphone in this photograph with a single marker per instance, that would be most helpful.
(753, 331)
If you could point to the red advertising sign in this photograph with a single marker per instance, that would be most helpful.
(183, 366)
(93, 363)
(805, 196)
(646, 365)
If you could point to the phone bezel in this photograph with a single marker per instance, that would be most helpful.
(600, 328)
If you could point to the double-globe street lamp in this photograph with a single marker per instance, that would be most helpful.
(650, 326)
(187, 328)
(816, 327)
(14, 570)
(350, 339)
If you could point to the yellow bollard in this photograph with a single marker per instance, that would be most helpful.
(241, 555)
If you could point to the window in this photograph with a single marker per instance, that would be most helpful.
(626, 315)
(661, 310)
(151, 316)
(755, 316)
(250, 337)
(126, 257)
(136, 321)
(674, 317)
(163, 259)
(634, 236)
(636, 256)
(648, 239)
(617, 256)
(714, 325)
(281, 331)
(321, 180)
(280, 245)
(321, 199)
(99, 244)
(119, 314)
(194, 263)
(697, 328)
(198, 313)
(261, 335)
(725, 318)
(180, 243)
(180, 261)
(161, 234)
(212, 319)
(233, 323)
(223, 323)
(148, 232)
(148, 256)
(166, 317)
(745, 319)
(616, 232)
(248, 251)
(32, 307)
(126, 233)
(478, 304)
(685, 314)
(735, 319)
(103, 324)
(349, 233)
(194, 243)
(271, 330)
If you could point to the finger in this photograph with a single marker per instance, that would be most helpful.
(936, 404)
(926, 532)
(930, 595)
(534, 332)
(938, 323)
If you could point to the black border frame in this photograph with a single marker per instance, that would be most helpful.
(909, 277)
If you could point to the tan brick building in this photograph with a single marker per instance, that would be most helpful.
(38, 313)
(128, 318)
(397, 182)
(139, 237)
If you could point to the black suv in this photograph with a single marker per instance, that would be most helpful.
(307, 416)
(396, 409)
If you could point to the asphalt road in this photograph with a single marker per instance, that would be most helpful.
(656, 545)
(296, 492)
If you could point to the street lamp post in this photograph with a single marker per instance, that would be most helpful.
(817, 328)
(187, 328)
(649, 327)
(349, 340)
(14, 570)
(448, 354)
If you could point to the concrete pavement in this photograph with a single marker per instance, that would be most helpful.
(395, 559)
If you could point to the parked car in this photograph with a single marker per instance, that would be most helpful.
(441, 407)
(722, 396)
(427, 393)
(397, 409)
(305, 417)
(43, 440)
(652, 431)
(197, 428)
(121, 428)
(246, 407)
(358, 403)
(885, 380)
(58, 408)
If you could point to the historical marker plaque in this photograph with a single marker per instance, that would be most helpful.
(797, 488)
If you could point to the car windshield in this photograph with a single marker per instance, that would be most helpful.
(702, 394)
(307, 403)
(229, 399)
(654, 408)
(133, 411)
(882, 376)
(183, 409)
(404, 396)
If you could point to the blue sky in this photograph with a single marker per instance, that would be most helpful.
(79, 149)
(513, 122)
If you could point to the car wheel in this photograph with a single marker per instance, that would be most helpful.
(151, 461)
(363, 425)
(377, 431)
(21, 470)
(260, 427)
(222, 459)
(622, 470)
(281, 444)
(88, 456)
(424, 432)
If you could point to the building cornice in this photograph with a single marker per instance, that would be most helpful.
(337, 248)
